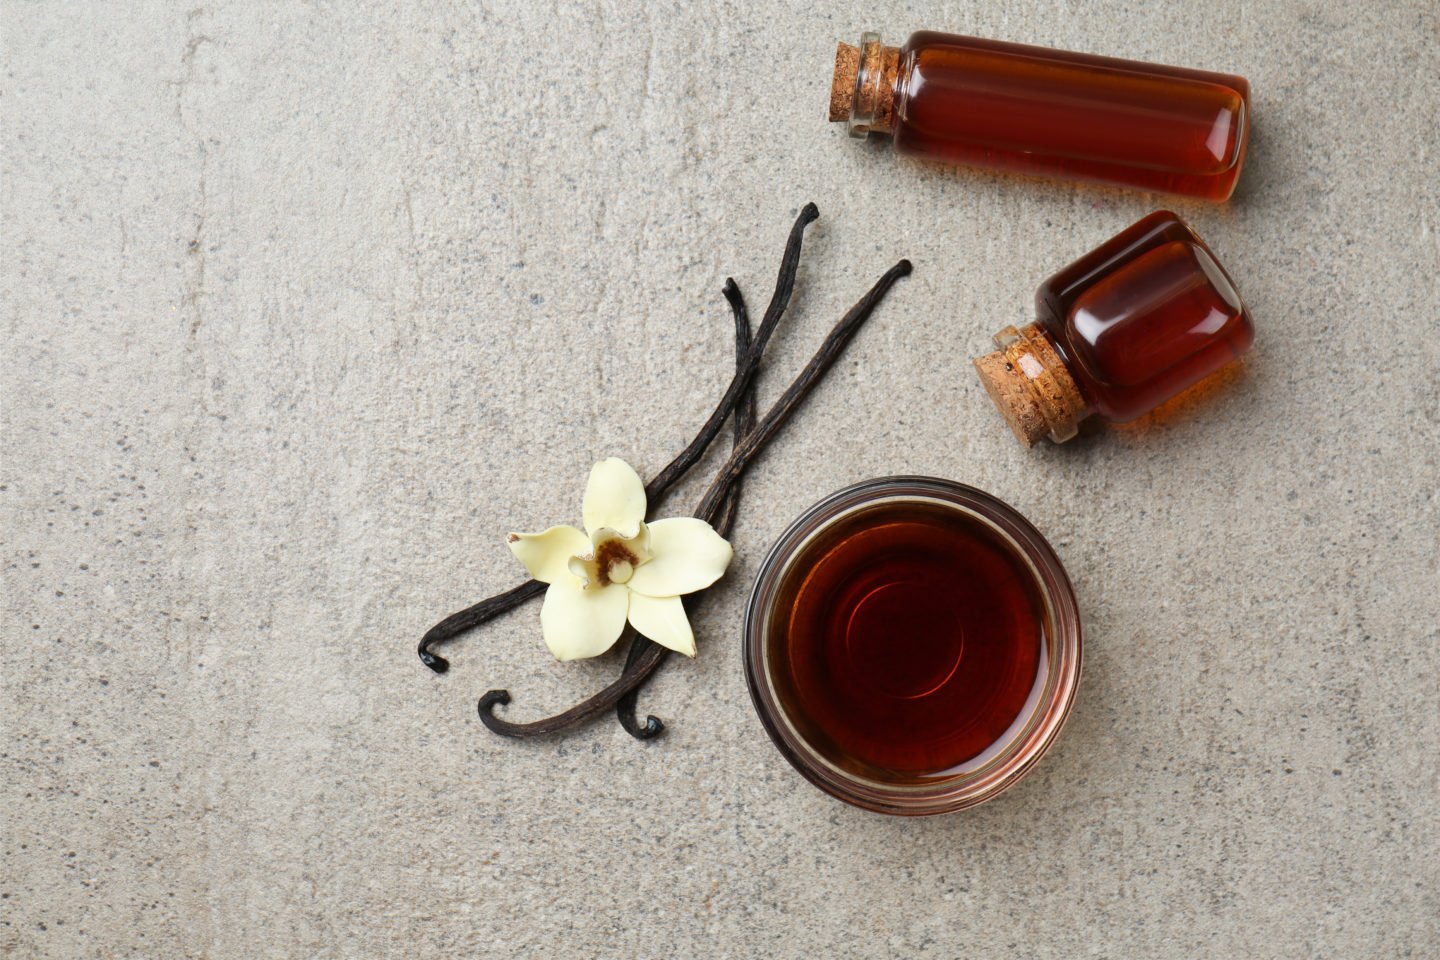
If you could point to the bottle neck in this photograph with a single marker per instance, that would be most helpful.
(1030, 383)
(862, 91)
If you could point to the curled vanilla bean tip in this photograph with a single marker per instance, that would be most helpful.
(654, 726)
(432, 660)
(487, 705)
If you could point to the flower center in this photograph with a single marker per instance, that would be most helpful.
(614, 563)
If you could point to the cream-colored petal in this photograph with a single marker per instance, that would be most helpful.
(686, 555)
(614, 498)
(547, 555)
(585, 570)
(663, 620)
(579, 622)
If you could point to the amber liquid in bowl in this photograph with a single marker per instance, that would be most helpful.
(908, 642)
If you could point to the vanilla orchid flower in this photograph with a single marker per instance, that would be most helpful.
(619, 568)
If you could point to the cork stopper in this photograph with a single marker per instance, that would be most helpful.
(1030, 384)
(862, 90)
(842, 85)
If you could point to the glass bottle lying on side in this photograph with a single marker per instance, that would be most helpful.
(1047, 112)
(1126, 327)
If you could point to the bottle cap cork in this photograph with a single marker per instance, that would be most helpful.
(842, 85)
(862, 90)
(1031, 386)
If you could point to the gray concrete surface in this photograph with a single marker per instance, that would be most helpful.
(306, 304)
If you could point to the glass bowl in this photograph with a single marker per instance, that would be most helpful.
(1006, 759)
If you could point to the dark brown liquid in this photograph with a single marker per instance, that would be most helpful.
(1144, 316)
(1049, 112)
(906, 641)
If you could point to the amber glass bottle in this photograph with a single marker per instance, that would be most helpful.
(1126, 327)
(1047, 112)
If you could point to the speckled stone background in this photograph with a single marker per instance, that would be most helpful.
(305, 305)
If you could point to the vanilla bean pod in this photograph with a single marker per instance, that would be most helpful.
(651, 656)
(488, 609)
(744, 422)
(470, 618)
(749, 366)
(835, 342)
(746, 412)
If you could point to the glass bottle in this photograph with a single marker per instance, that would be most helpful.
(1126, 327)
(1047, 112)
